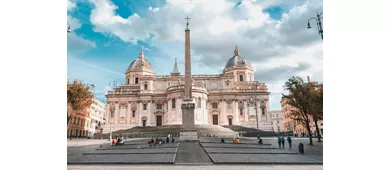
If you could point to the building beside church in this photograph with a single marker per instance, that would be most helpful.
(147, 99)
(276, 118)
(295, 127)
(96, 118)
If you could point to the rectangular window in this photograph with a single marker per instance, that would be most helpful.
(173, 103)
(136, 80)
(241, 111)
(133, 113)
(159, 106)
(215, 105)
(277, 122)
(144, 106)
(145, 87)
(241, 77)
(272, 122)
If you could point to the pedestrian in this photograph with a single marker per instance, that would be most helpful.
(289, 141)
(279, 141)
(167, 140)
(282, 141)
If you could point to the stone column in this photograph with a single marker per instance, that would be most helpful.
(149, 112)
(259, 113)
(236, 113)
(246, 113)
(139, 111)
(107, 115)
(128, 113)
(116, 113)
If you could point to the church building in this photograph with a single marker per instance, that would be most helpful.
(230, 98)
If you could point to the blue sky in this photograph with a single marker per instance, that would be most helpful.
(107, 36)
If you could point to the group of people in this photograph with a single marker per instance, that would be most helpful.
(281, 141)
(235, 140)
(160, 141)
(117, 141)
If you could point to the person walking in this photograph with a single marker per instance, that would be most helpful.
(279, 141)
(289, 141)
(282, 141)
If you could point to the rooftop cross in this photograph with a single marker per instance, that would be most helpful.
(187, 22)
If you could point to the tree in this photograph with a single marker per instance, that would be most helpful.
(79, 98)
(299, 98)
(316, 106)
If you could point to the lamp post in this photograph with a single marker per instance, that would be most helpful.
(69, 30)
(318, 19)
(112, 106)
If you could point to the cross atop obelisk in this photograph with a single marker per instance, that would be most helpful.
(187, 28)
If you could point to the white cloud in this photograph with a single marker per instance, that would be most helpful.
(74, 41)
(71, 5)
(217, 27)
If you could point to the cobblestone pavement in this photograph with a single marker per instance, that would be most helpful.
(197, 167)
(123, 154)
(191, 153)
(250, 152)
(84, 142)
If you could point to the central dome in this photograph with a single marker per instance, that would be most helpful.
(140, 63)
(237, 60)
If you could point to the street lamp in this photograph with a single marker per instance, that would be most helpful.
(318, 19)
(112, 106)
(69, 30)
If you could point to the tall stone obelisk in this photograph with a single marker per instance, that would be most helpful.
(188, 104)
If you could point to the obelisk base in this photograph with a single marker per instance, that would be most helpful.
(188, 132)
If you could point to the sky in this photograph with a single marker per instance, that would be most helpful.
(107, 35)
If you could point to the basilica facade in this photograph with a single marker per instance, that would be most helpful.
(230, 98)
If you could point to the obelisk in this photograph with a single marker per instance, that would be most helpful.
(188, 104)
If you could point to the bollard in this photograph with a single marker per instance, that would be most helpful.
(300, 148)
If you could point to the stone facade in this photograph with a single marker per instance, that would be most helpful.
(276, 117)
(96, 118)
(230, 98)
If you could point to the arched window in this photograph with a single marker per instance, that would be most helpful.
(199, 102)
(263, 111)
(128, 81)
(136, 80)
(173, 103)
(145, 86)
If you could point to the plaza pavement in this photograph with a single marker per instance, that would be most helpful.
(195, 167)
(206, 152)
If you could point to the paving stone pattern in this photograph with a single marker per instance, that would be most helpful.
(191, 153)
(263, 159)
(196, 167)
(133, 151)
(121, 159)
(249, 151)
(222, 145)
(120, 155)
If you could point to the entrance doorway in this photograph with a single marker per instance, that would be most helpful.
(158, 120)
(230, 121)
(143, 123)
(215, 119)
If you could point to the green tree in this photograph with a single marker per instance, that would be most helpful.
(299, 98)
(316, 105)
(79, 98)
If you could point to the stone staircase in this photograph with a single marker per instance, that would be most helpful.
(250, 132)
(203, 130)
